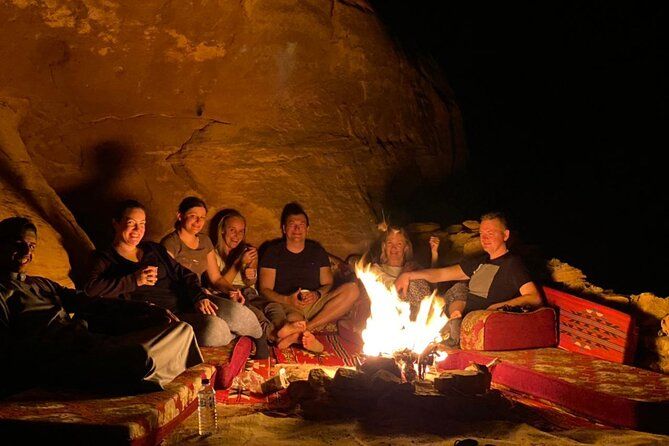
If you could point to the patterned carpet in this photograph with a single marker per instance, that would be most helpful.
(337, 353)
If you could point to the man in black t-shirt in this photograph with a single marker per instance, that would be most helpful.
(496, 279)
(296, 279)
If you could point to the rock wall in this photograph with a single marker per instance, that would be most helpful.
(25, 192)
(249, 103)
(51, 259)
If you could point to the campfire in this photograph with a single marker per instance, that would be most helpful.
(391, 333)
(391, 382)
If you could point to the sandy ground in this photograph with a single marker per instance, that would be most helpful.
(240, 425)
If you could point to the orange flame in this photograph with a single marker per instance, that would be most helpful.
(389, 328)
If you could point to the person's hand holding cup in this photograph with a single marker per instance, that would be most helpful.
(296, 299)
(250, 255)
(146, 276)
(308, 297)
(250, 273)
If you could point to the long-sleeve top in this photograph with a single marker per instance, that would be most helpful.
(39, 309)
(35, 306)
(108, 343)
(111, 275)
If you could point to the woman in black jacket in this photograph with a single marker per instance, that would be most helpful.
(141, 270)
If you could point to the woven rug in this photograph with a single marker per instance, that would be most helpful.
(237, 394)
(337, 353)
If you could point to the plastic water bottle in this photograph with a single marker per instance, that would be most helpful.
(206, 409)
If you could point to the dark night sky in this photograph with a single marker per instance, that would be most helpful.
(562, 105)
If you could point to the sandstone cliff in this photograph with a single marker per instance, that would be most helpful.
(250, 104)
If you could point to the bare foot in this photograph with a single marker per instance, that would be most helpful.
(291, 327)
(288, 341)
(310, 342)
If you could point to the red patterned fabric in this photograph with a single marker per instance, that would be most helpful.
(500, 330)
(609, 392)
(336, 352)
(235, 395)
(472, 330)
(593, 329)
(69, 417)
(66, 417)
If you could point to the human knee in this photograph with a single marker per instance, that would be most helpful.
(272, 308)
(419, 288)
(350, 291)
(275, 313)
(244, 322)
(294, 317)
(458, 292)
(183, 328)
(212, 331)
(460, 288)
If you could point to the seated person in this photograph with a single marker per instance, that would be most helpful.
(238, 263)
(143, 271)
(397, 257)
(497, 278)
(296, 279)
(41, 344)
(193, 250)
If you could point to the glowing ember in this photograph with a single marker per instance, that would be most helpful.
(388, 328)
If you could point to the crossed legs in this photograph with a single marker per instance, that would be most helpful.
(296, 326)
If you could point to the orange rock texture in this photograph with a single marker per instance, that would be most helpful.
(247, 103)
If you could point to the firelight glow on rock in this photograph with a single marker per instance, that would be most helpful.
(389, 328)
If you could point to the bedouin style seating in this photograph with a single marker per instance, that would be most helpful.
(585, 373)
(73, 417)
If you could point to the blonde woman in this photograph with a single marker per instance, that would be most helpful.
(194, 250)
(396, 258)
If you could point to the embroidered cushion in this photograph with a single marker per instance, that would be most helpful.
(593, 329)
(501, 330)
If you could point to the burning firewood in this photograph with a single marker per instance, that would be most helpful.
(378, 395)
(473, 380)
(374, 363)
(348, 379)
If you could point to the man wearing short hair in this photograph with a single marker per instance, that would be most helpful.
(296, 279)
(497, 278)
(143, 348)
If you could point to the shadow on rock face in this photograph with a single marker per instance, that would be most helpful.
(94, 201)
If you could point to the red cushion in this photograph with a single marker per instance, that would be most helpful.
(611, 393)
(60, 416)
(593, 329)
(501, 330)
